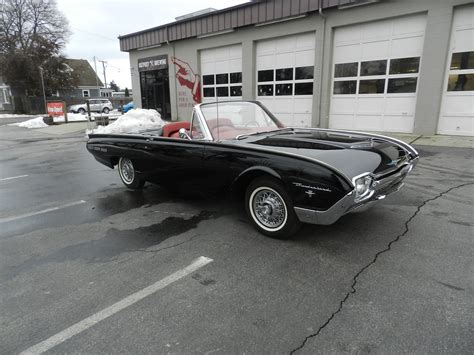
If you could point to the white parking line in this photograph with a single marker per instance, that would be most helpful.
(30, 214)
(116, 307)
(14, 177)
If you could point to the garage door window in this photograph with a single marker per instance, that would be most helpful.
(265, 75)
(222, 79)
(374, 67)
(461, 74)
(404, 65)
(304, 73)
(265, 90)
(280, 82)
(375, 86)
(222, 85)
(208, 80)
(461, 82)
(283, 89)
(401, 85)
(345, 87)
(402, 77)
(284, 74)
(462, 60)
(345, 70)
(235, 78)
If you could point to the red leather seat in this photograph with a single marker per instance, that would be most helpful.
(172, 129)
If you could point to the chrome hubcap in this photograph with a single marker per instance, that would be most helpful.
(269, 208)
(127, 171)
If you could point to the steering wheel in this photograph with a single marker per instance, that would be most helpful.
(250, 122)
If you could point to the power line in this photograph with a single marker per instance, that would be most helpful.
(95, 34)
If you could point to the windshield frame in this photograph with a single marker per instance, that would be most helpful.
(207, 133)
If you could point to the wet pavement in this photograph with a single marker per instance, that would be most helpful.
(394, 279)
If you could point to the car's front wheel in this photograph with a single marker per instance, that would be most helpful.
(270, 209)
(106, 110)
(128, 175)
(81, 111)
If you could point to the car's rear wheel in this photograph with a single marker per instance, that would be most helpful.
(81, 111)
(270, 209)
(106, 110)
(128, 175)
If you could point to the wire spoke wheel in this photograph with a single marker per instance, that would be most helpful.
(127, 171)
(269, 208)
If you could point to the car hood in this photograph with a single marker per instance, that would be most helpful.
(348, 153)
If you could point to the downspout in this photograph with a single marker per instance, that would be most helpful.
(323, 17)
(174, 77)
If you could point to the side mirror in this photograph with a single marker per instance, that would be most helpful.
(183, 134)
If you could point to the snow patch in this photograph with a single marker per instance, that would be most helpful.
(13, 115)
(33, 123)
(134, 121)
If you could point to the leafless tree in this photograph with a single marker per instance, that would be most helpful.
(32, 35)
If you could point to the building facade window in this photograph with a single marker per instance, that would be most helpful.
(86, 93)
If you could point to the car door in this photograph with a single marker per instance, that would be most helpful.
(172, 160)
(94, 105)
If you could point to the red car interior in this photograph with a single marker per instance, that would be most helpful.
(221, 128)
(172, 129)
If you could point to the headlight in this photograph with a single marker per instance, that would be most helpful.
(362, 186)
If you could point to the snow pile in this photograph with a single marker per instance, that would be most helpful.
(33, 123)
(134, 121)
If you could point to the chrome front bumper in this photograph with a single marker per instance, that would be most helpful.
(380, 189)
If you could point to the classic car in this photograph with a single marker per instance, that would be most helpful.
(286, 176)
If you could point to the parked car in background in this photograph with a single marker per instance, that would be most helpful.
(128, 107)
(285, 175)
(96, 105)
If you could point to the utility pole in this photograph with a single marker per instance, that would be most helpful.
(44, 92)
(103, 67)
(96, 76)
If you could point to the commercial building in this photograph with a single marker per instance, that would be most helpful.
(376, 65)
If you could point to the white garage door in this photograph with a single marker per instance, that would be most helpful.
(221, 70)
(285, 71)
(375, 74)
(457, 108)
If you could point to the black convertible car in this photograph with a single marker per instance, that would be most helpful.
(286, 175)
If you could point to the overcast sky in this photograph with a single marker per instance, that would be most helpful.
(96, 24)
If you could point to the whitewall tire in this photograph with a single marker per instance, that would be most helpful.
(128, 175)
(270, 209)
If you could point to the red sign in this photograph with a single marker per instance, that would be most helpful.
(55, 109)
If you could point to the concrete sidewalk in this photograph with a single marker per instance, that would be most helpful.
(436, 140)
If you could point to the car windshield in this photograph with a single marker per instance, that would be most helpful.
(227, 120)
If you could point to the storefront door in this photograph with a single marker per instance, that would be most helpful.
(154, 85)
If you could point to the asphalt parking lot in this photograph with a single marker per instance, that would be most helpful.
(87, 266)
